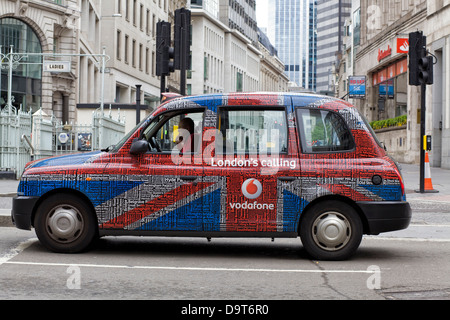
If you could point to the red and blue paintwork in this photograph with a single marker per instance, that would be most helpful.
(148, 192)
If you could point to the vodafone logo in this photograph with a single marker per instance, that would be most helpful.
(251, 188)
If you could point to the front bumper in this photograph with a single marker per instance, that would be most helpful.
(386, 216)
(22, 211)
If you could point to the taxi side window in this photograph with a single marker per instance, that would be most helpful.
(167, 134)
(323, 131)
(252, 131)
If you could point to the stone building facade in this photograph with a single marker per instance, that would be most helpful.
(381, 55)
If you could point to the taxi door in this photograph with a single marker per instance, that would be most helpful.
(163, 187)
(250, 159)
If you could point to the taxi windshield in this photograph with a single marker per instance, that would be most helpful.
(120, 144)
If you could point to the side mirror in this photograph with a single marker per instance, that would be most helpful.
(139, 146)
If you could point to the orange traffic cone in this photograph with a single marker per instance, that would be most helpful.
(428, 182)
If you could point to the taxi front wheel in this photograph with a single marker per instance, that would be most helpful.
(65, 223)
(331, 230)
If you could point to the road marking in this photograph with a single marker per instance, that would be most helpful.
(185, 268)
(15, 251)
(392, 238)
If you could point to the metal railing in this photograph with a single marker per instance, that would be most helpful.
(14, 153)
(25, 136)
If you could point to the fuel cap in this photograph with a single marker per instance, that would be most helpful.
(377, 180)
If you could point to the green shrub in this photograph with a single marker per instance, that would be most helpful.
(389, 123)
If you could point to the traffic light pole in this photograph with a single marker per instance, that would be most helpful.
(163, 86)
(422, 134)
(183, 69)
(420, 74)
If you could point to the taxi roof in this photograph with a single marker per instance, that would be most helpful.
(261, 99)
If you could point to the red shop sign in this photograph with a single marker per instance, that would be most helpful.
(384, 53)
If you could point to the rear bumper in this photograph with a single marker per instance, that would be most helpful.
(22, 210)
(386, 216)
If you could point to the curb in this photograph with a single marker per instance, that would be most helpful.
(8, 195)
(5, 218)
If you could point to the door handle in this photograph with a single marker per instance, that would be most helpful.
(286, 178)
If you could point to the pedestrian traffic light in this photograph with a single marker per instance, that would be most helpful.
(164, 52)
(420, 65)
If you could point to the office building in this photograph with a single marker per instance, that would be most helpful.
(331, 16)
(293, 33)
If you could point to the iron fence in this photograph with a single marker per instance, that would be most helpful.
(25, 136)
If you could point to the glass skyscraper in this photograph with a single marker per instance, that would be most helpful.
(293, 30)
(331, 15)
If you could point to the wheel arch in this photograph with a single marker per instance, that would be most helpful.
(334, 197)
(75, 192)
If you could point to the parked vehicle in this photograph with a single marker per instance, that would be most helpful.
(226, 165)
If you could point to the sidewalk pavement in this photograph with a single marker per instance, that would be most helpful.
(411, 176)
(440, 179)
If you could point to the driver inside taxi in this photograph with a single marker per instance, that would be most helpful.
(185, 139)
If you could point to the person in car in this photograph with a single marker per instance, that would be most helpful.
(186, 144)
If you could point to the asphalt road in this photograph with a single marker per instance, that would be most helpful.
(388, 267)
(411, 264)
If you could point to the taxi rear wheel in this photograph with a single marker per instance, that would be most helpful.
(331, 230)
(65, 223)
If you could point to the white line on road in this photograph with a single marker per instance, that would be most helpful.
(186, 268)
(392, 238)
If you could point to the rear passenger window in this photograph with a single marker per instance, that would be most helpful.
(252, 131)
(323, 131)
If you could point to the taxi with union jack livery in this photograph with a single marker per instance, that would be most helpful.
(225, 165)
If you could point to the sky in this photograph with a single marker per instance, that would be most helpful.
(261, 13)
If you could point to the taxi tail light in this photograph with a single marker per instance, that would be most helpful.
(400, 178)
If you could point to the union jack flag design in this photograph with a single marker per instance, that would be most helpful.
(150, 192)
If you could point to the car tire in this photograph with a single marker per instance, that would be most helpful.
(331, 230)
(64, 223)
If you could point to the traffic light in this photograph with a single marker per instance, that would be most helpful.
(182, 38)
(164, 52)
(420, 65)
(426, 70)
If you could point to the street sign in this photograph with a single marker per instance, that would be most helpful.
(57, 66)
(357, 87)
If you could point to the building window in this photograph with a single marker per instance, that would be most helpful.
(239, 82)
(126, 48)
(205, 68)
(147, 23)
(153, 64)
(140, 56)
(127, 10)
(134, 13)
(141, 17)
(119, 44)
(133, 54)
(147, 60)
(27, 76)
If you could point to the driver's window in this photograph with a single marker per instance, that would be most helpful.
(179, 132)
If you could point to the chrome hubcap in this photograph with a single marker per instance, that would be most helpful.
(331, 231)
(65, 224)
